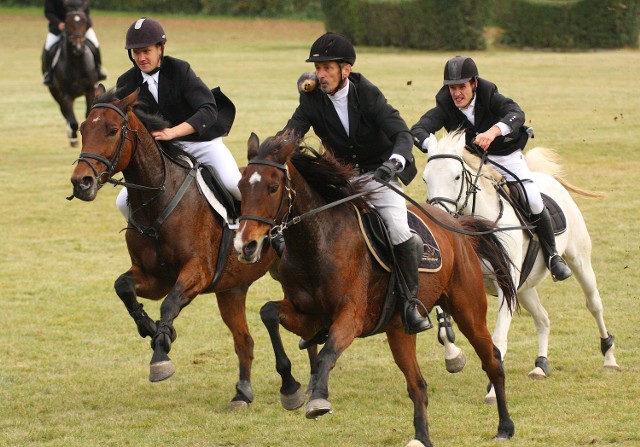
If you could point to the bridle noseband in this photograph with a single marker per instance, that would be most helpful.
(468, 191)
(110, 164)
(288, 195)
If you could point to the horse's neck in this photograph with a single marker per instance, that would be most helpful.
(146, 167)
(487, 201)
(317, 226)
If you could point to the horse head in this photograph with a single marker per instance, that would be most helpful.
(444, 174)
(266, 191)
(75, 28)
(107, 147)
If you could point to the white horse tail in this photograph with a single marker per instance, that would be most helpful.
(547, 161)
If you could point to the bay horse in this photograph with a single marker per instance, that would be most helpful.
(457, 181)
(74, 74)
(179, 247)
(333, 285)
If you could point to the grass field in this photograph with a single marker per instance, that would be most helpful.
(73, 370)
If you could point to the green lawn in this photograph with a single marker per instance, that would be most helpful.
(74, 370)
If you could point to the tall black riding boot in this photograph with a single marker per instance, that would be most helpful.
(544, 229)
(47, 71)
(408, 255)
(97, 57)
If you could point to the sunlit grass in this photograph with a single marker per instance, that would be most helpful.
(74, 370)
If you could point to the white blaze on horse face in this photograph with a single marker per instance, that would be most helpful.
(96, 119)
(255, 178)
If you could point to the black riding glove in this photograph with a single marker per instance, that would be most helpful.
(387, 170)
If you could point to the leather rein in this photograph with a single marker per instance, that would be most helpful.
(288, 195)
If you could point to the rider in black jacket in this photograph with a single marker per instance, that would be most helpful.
(356, 123)
(55, 11)
(495, 123)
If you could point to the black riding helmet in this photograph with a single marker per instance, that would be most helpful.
(332, 47)
(459, 70)
(144, 33)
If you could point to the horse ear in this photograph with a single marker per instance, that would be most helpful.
(252, 146)
(129, 101)
(99, 90)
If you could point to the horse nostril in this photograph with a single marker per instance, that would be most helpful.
(86, 182)
(249, 249)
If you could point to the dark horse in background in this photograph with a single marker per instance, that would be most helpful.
(333, 284)
(74, 73)
(179, 247)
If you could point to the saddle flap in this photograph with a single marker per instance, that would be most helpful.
(519, 201)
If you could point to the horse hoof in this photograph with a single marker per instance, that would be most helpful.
(161, 371)
(293, 401)
(73, 142)
(456, 364)
(613, 367)
(537, 374)
(490, 398)
(317, 408)
(238, 405)
(415, 443)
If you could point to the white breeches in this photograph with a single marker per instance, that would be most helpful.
(89, 35)
(516, 164)
(213, 153)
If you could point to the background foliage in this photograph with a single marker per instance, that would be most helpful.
(430, 24)
(74, 370)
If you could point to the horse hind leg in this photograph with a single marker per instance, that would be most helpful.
(586, 277)
(403, 349)
(471, 322)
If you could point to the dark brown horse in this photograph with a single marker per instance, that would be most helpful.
(174, 238)
(332, 284)
(75, 73)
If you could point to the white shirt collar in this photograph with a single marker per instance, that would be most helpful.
(468, 111)
(155, 76)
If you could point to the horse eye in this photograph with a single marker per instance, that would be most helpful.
(113, 131)
(274, 188)
(457, 178)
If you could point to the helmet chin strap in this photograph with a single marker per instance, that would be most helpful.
(340, 85)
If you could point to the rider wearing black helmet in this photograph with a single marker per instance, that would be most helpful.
(56, 11)
(495, 123)
(170, 87)
(356, 123)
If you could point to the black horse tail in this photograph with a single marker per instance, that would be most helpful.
(490, 248)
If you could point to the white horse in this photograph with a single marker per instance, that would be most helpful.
(458, 181)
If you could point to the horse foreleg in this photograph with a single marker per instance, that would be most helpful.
(530, 301)
(454, 358)
(232, 305)
(342, 332)
(66, 108)
(161, 367)
(291, 394)
(125, 289)
(403, 348)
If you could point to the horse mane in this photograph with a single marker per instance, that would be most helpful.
(328, 177)
(151, 121)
